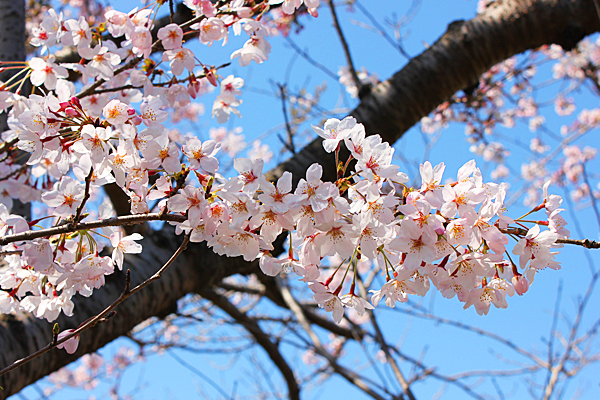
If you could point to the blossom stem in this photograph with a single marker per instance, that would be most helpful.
(328, 281)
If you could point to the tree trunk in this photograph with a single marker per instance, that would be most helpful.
(12, 48)
(12, 39)
(454, 62)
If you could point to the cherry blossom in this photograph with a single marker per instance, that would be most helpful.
(93, 141)
(223, 106)
(70, 345)
(202, 155)
(124, 244)
(116, 112)
(102, 62)
(256, 48)
(535, 246)
(151, 113)
(171, 36)
(79, 33)
(66, 196)
(212, 29)
(327, 300)
(46, 72)
(334, 131)
(180, 59)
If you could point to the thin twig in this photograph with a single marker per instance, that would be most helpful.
(338, 28)
(309, 59)
(594, 202)
(159, 84)
(86, 196)
(396, 44)
(553, 331)
(114, 221)
(349, 375)
(570, 343)
(104, 314)
(384, 346)
(290, 142)
(260, 336)
(588, 244)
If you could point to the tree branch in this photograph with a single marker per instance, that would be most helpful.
(261, 337)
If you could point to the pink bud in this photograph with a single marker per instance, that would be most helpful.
(130, 111)
(75, 101)
(244, 12)
(314, 12)
(64, 105)
(70, 111)
(521, 284)
(70, 345)
(210, 75)
(192, 90)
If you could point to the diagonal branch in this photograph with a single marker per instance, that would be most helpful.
(260, 336)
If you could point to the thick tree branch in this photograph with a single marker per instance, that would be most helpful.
(23, 334)
(456, 61)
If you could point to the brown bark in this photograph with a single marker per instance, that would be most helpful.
(198, 267)
(12, 39)
(454, 62)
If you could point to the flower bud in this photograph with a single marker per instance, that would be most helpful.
(75, 101)
(192, 89)
(136, 120)
(210, 75)
(521, 284)
(71, 112)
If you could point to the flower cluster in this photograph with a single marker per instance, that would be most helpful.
(450, 235)
(96, 138)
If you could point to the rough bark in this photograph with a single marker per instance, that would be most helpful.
(12, 48)
(197, 267)
(12, 39)
(454, 62)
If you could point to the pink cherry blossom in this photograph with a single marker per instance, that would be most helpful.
(535, 246)
(256, 48)
(212, 29)
(180, 59)
(223, 106)
(171, 36)
(70, 345)
(122, 245)
(116, 112)
(65, 197)
(46, 72)
(202, 154)
(334, 131)
(327, 300)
